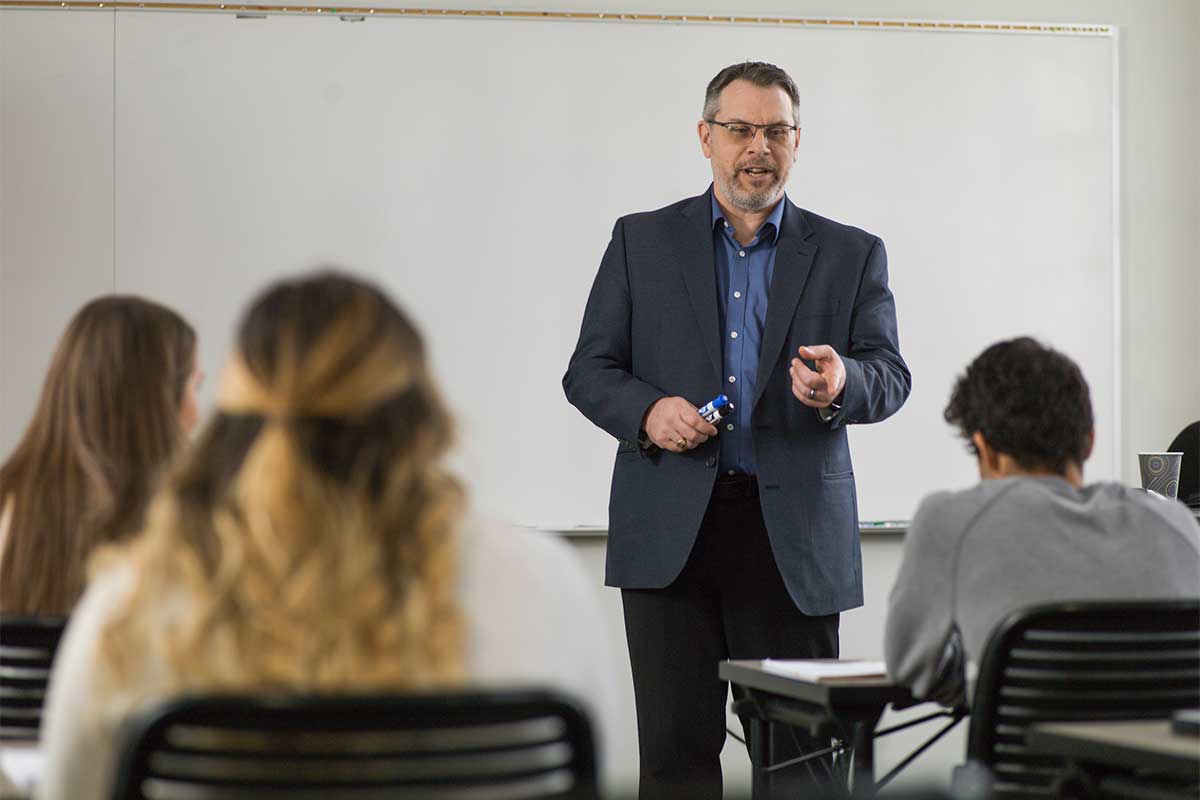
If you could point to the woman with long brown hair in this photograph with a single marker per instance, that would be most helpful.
(117, 400)
(312, 539)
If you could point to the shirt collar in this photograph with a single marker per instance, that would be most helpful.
(776, 218)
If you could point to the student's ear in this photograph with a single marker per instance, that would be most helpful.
(1088, 445)
(989, 459)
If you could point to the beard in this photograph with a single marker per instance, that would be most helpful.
(751, 199)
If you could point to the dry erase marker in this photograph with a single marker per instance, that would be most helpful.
(714, 409)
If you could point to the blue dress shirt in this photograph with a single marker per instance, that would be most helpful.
(743, 283)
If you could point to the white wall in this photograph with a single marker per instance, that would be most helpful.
(1160, 248)
(66, 228)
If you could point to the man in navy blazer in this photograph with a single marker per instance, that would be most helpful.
(737, 541)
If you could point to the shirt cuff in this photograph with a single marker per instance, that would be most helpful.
(829, 412)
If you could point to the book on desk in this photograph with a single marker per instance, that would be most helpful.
(827, 670)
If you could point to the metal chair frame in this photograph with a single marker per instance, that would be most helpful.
(461, 745)
(27, 647)
(1087, 660)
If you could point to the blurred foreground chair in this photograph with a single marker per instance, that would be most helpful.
(494, 745)
(1077, 661)
(27, 647)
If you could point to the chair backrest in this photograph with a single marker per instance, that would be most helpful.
(27, 646)
(492, 744)
(1188, 443)
(1102, 660)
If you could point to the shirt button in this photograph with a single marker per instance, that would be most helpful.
(737, 294)
(742, 253)
(729, 426)
(732, 472)
(711, 462)
(732, 379)
(733, 334)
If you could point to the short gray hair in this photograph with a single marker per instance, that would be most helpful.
(758, 73)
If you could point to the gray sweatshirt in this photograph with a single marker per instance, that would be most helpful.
(971, 557)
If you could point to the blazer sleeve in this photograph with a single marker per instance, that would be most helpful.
(599, 380)
(877, 379)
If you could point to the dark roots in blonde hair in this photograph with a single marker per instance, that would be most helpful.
(312, 526)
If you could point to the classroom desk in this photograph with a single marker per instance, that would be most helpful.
(1150, 746)
(848, 709)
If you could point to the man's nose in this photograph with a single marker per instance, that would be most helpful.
(758, 140)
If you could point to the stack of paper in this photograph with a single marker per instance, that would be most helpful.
(826, 670)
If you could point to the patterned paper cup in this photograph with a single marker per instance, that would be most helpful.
(1160, 472)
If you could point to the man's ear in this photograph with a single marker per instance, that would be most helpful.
(704, 131)
(1087, 448)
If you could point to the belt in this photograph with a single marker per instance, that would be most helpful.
(735, 487)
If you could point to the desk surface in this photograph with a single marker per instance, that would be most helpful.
(849, 708)
(1148, 744)
(836, 694)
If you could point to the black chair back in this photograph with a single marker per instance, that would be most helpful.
(1188, 443)
(493, 745)
(27, 646)
(1078, 661)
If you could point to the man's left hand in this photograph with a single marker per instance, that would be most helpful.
(820, 388)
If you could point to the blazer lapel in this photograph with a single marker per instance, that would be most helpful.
(699, 273)
(793, 261)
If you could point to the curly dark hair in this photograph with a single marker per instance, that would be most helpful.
(1029, 402)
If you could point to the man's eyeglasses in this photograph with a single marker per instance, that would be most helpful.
(744, 132)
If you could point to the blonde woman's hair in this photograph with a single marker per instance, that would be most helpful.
(308, 539)
(106, 425)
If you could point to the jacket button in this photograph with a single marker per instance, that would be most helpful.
(711, 462)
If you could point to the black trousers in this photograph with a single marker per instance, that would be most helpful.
(728, 602)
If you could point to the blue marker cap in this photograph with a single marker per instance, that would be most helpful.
(714, 407)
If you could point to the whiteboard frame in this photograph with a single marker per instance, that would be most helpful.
(342, 11)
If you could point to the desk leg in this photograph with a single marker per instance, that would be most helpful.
(772, 744)
(760, 758)
(863, 771)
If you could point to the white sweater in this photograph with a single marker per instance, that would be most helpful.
(532, 617)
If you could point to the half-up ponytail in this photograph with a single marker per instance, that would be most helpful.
(311, 532)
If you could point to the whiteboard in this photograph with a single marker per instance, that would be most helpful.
(475, 167)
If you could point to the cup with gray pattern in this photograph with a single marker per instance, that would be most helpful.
(1160, 472)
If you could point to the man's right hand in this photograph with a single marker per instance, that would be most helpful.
(673, 424)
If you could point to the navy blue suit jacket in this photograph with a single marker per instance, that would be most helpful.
(651, 329)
